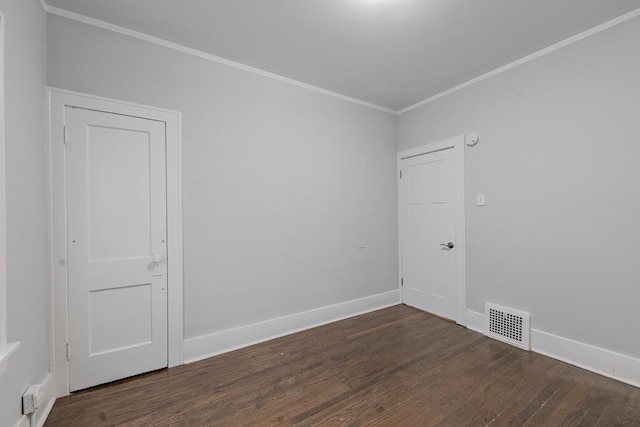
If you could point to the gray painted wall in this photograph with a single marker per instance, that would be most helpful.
(280, 182)
(558, 161)
(27, 260)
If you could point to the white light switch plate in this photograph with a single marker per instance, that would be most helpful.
(480, 199)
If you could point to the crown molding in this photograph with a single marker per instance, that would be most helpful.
(564, 43)
(204, 55)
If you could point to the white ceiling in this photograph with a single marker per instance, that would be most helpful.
(392, 53)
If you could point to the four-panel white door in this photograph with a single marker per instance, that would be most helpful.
(117, 228)
(428, 232)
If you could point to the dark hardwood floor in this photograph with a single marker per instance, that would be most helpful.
(393, 367)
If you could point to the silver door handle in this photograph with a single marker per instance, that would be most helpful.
(449, 245)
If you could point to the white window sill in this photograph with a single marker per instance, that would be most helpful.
(5, 353)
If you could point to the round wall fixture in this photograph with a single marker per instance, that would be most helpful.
(471, 139)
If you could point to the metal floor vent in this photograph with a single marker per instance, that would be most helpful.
(508, 325)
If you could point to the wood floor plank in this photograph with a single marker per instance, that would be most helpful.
(394, 367)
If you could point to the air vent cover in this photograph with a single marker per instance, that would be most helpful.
(508, 325)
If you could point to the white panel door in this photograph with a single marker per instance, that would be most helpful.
(116, 207)
(428, 231)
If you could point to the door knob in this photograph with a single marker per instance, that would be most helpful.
(449, 245)
(158, 259)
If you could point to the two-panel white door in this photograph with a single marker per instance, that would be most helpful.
(427, 219)
(117, 231)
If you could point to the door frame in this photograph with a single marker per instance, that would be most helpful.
(57, 100)
(457, 144)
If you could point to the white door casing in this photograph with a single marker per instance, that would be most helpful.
(114, 259)
(431, 228)
(116, 216)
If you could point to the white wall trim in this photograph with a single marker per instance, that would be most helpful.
(599, 360)
(23, 421)
(41, 414)
(457, 143)
(6, 348)
(175, 46)
(57, 100)
(564, 43)
(206, 346)
(48, 399)
(475, 321)
(596, 359)
(3, 204)
(204, 55)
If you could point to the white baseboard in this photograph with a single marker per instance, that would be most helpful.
(48, 399)
(23, 422)
(586, 356)
(599, 360)
(475, 321)
(205, 346)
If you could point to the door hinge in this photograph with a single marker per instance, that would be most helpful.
(65, 133)
(68, 351)
(400, 173)
(402, 281)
